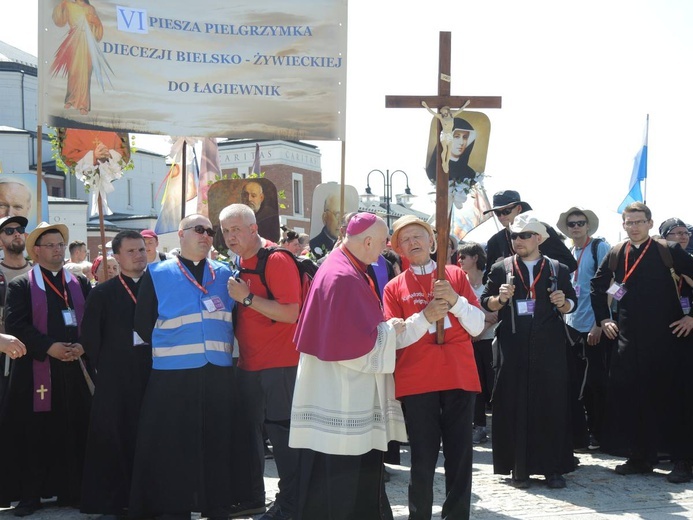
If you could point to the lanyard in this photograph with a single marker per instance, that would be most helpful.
(530, 290)
(193, 281)
(510, 242)
(127, 289)
(582, 252)
(427, 295)
(55, 289)
(356, 264)
(625, 266)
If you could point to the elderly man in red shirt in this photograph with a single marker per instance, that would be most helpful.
(437, 384)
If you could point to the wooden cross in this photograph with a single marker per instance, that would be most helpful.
(42, 390)
(443, 99)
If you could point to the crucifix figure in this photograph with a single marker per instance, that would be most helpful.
(443, 101)
(446, 120)
(42, 390)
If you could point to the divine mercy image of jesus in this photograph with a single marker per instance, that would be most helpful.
(79, 55)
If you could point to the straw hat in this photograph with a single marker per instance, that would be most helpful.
(403, 222)
(40, 230)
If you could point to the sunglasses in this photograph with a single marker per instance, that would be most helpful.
(525, 235)
(576, 223)
(504, 212)
(201, 230)
(9, 231)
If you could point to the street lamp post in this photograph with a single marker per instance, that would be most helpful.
(387, 188)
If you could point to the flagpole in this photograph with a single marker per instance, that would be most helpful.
(183, 180)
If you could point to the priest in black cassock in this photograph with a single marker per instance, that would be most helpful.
(183, 458)
(122, 362)
(531, 411)
(46, 411)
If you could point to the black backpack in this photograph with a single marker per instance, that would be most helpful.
(306, 269)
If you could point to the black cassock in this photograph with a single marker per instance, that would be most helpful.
(122, 369)
(643, 364)
(532, 432)
(47, 448)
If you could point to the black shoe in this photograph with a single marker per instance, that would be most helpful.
(519, 482)
(277, 513)
(633, 467)
(555, 481)
(681, 473)
(594, 443)
(247, 509)
(27, 507)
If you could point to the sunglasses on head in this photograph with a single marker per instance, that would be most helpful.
(525, 235)
(576, 223)
(201, 230)
(12, 230)
(504, 212)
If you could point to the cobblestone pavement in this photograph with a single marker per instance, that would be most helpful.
(594, 491)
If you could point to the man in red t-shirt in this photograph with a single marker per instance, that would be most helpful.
(437, 384)
(265, 327)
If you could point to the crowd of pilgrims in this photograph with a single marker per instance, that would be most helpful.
(566, 342)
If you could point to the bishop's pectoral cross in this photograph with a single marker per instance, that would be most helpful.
(42, 390)
(443, 102)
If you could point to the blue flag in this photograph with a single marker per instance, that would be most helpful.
(639, 174)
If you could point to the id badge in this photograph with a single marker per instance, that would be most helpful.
(70, 318)
(136, 340)
(617, 290)
(685, 305)
(446, 325)
(526, 307)
(213, 303)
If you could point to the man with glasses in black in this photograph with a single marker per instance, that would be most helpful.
(531, 411)
(183, 459)
(507, 205)
(46, 411)
(652, 316)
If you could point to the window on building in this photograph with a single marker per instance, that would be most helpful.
(297, 185)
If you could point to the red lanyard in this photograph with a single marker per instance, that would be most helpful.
(192, 280)
(427, 295)
(55, 289)
(355, 262)
(625, 266)
(127, 289)
(530, 290)
(582, 252)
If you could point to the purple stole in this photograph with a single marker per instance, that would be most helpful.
(39, 317)
(380, 270)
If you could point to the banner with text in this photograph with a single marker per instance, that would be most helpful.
(262, 69)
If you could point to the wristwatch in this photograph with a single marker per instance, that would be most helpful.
(247, 300)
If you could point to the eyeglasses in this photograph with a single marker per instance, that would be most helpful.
(631, 223)
(12, 230)
(678, 234)
(525, 235)
(201, 230)
(504, 212)
(59, 245)
(576, 223)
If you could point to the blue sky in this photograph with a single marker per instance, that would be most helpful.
(577, 81)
